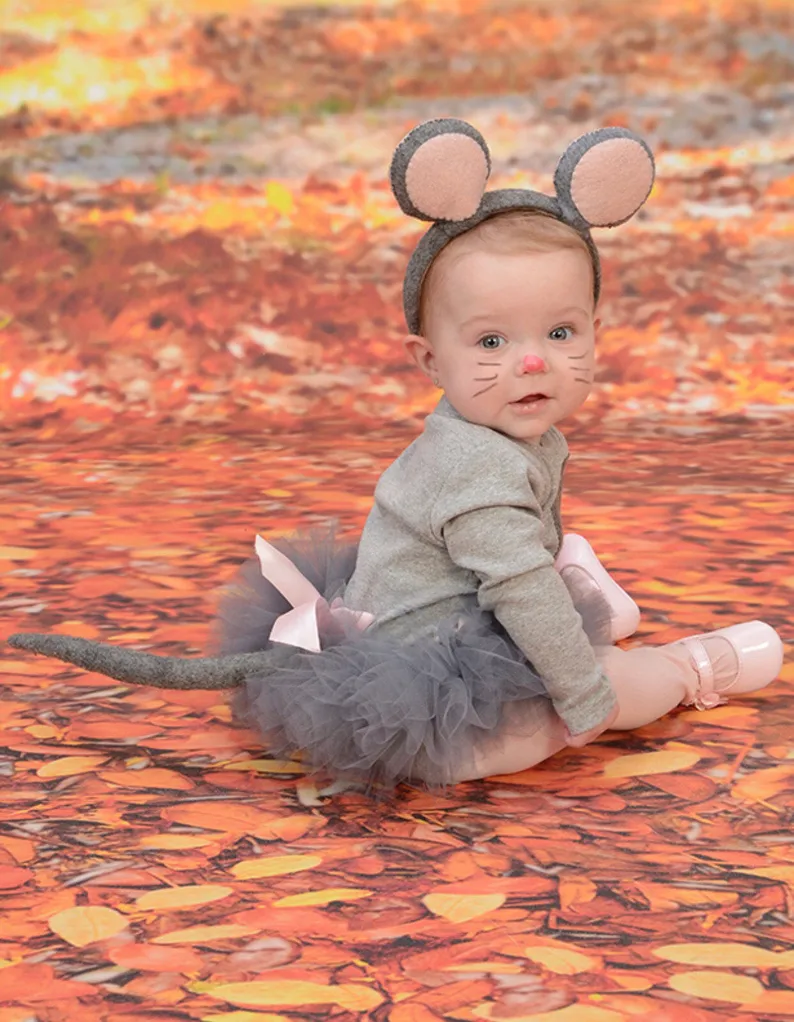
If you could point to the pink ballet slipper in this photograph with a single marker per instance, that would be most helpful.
(759, 657)
(576, 553)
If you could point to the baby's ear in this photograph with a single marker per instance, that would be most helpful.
(439, 170)
(420, 353)
(604, 177)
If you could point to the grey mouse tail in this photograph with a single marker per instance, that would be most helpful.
(138, 668)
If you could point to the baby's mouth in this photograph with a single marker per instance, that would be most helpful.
(530, 399)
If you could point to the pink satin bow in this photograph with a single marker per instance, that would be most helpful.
(299, 626)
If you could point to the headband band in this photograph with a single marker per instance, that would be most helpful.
(440, 169)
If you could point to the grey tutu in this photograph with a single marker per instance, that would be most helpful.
(373, 707)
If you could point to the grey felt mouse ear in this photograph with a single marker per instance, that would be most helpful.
(604, 177)
(439, 170)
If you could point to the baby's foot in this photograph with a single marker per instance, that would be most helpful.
(740, 658)
(581, 569)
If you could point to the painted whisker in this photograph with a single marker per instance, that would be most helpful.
(482, 379)
(484, 389)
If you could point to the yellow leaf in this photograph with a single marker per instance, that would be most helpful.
(17, 553)
(205, 934)
(324, 897)
(761, 785)
(783, 873)
(174, 842)
(459, 908)
(279, 197)
(41, 731)
(245, 1016)
(717, 986)
(86, 924)
(573, 1013)
(666, 761)
(274, 866)
(182, 897)
(726, 955)
(69, 766)
(493, 968)
(563, 961)
(296, 994)
(269, 766)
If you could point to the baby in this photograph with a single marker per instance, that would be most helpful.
(464, 635)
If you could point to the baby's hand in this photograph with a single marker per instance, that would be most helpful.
(577, 741)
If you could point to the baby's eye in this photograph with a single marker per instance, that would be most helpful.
(561, 333)
(491, 342)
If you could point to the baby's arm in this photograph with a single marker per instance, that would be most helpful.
(502, 546)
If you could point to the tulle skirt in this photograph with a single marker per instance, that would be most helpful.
(373, 707)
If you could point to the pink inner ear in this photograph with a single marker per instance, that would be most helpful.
(446, 177)
(611, 181)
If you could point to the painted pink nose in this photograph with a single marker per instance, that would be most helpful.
(533, 364)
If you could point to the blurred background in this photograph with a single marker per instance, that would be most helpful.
(197, 228)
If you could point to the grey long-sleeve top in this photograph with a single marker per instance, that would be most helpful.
(467, 511)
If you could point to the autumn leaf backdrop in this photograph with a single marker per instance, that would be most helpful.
(200, 339)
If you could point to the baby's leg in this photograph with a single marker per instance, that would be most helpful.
(530, 732)
(649, 681)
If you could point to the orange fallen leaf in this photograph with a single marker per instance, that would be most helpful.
(230, 817)
(668, 897)
(20, 848)
(324, 897)
(774, 1002)
(244, 1016)
(150, 958)
(14, 876)
(148, 777)
(34, 984)
(573, 1013)
(575, 891)
(80, 629)
(32, 668)
(295, 994)
(70, 766)
(413, 1012)
(206, 934)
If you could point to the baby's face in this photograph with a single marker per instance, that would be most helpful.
(513, 336)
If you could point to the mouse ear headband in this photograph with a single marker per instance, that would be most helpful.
(440, 169)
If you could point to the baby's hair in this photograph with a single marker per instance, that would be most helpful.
(511, 233)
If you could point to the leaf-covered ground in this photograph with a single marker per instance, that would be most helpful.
(199, 326)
